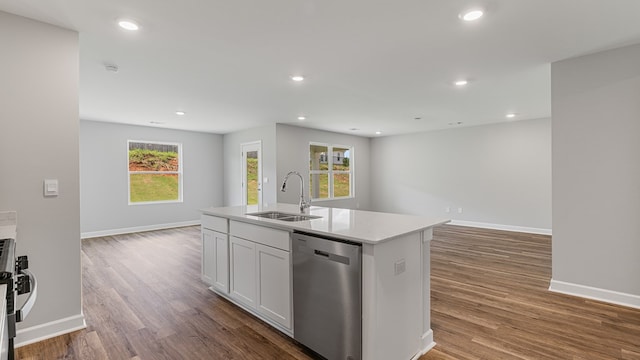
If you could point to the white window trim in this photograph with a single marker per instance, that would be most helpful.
(330, 170)
(179, 172)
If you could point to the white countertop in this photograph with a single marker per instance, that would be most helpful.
(8, 224)
(354, 225)
(8, 232)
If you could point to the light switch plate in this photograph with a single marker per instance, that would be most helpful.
(50, 187)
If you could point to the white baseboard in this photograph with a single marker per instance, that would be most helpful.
(482, 225)
(48, 330)
(609, 296)
(92, 234)
(427, 344)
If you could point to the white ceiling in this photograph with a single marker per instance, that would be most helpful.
(369, 64)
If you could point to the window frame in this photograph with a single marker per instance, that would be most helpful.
(179, 173)
(330, 171)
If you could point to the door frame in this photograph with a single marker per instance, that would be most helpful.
(244, 148)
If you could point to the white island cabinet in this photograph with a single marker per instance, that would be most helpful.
(261, 269)
(215, 253)
(395, 269)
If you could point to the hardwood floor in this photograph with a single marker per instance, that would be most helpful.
(143, 299)
(490, 300)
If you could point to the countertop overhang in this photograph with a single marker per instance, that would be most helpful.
(354, 225)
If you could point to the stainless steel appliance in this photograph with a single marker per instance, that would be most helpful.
(14, 273)
(327, 296)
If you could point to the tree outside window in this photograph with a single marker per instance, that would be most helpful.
(330, 171)
(155, 172)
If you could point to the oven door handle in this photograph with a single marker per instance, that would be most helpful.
(23, 312)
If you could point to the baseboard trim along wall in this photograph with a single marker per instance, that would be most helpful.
(427, 344)
(49, 330)
(93, 234)
(521, 229)
(589, 292)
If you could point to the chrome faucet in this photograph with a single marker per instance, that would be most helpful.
(303, 204)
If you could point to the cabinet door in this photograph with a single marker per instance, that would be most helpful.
(274, 292)
(221, 266)
(242, 254)
(208, 256)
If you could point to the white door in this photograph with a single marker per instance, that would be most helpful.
(251, 173)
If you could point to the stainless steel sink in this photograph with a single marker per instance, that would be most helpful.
(276, 215)
(298, 218)
(270, 214)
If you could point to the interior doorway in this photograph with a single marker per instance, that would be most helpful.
(251, 173)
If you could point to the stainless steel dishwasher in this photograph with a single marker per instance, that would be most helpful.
(327, 296)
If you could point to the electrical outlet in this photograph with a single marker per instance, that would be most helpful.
(459, 210)
(447, 209)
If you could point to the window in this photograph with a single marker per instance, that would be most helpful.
(155, 172)
(330, 171)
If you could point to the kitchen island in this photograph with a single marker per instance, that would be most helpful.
(247, 259)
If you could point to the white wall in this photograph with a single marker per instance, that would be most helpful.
(233, 161)
(596, 175)
(104, 199)
(293, 154)
(498, 174)
(39, 140)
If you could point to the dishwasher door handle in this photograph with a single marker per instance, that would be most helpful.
(321, 253)
(332, 257)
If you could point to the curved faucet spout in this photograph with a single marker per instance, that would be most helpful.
(303, 204)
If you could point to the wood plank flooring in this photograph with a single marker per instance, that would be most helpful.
(490, 300)
(143, 299)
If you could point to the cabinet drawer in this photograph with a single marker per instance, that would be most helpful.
(215, 223)
(260, 234)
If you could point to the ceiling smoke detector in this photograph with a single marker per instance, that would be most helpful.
(111, 68)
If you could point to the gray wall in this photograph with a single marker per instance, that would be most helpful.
(293, 154)
(38, 140)
(103, 172)
(499, 174)
(596, 170)
(232, 163)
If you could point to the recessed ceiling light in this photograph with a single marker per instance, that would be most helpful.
(180, 113)
(511, 115)
(302, 118)
(378, 132)
(128, 25)
(297, 78)
(455, 123)
(461, 82)
(471, 15)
